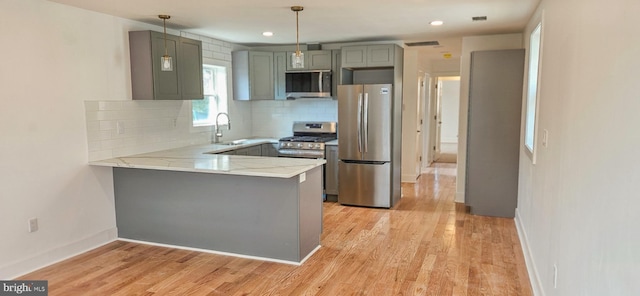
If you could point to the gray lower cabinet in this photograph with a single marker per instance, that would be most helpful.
(331, 171)
(148, 82)
(254, 150)
(267, 150)
(367, 56)
(270, 150)
(249, 151)
(275, 218)
(253, 75)
(242, 151)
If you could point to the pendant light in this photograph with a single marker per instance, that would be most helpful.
(166, 63)
(297, 58)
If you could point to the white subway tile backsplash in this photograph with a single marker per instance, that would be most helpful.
(109, 105)
(145, 126)
(92, 126)
(207, 54)
(106, 125)
(91, 105)
(275, 118)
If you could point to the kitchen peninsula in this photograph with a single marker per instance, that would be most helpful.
(264, 207)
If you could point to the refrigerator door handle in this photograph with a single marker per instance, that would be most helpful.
(366, 122)
(360, 122)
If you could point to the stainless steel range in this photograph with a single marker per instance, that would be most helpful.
(308, 139)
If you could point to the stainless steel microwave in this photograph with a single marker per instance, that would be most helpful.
(308, 84)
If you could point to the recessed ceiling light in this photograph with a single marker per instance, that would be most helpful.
(267, 34)
(436, 23)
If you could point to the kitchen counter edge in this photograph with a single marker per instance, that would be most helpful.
(201, 159)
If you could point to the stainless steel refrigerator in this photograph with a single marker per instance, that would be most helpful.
(367, 169)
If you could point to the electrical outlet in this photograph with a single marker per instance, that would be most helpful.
(545, 138)
(555, 276)
(303, 177)
(33, 224)
(175, 122)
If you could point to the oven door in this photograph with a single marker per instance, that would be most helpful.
(300, 153)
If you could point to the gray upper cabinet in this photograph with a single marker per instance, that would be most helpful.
(253, 75)
(190, 68)
(367, 56)
(148, 82)
(313, 60)
(280, 68)
(319, 59)
(335, 70)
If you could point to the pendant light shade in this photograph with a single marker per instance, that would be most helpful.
(166, 62)
(297, 58)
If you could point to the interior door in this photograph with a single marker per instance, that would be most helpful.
(419, 116)
(438, 122)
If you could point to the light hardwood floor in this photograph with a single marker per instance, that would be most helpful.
(426, 245)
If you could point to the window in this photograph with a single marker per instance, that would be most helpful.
(215, 97)
(532, 91)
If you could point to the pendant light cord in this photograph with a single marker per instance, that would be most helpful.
(164, 25)
(297, 36)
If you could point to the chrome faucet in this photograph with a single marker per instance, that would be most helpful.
(218, 133)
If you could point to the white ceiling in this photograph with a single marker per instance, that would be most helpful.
(327, 21)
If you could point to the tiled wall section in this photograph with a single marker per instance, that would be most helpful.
(124, 127)
(119, 128)
(212, 48)
(275, 118)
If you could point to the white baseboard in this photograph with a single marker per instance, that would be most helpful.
(22, 267)
(409, 178)
(459, 197)
(534, 277)
(222, 253)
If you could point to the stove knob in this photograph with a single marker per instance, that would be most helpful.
(299, 145)
(317, 145)
(310, 145)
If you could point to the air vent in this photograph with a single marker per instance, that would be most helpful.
(423, 43)
(479, 18)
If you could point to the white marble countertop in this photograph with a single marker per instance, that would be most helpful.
(199, 159)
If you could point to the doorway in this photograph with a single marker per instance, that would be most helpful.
(447, 106)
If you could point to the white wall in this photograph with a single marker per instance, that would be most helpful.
(578, 205)
(450, 91)
(412, 69)
(469, 44)
(60, 58)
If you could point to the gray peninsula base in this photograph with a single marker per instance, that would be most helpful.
(272, 218)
